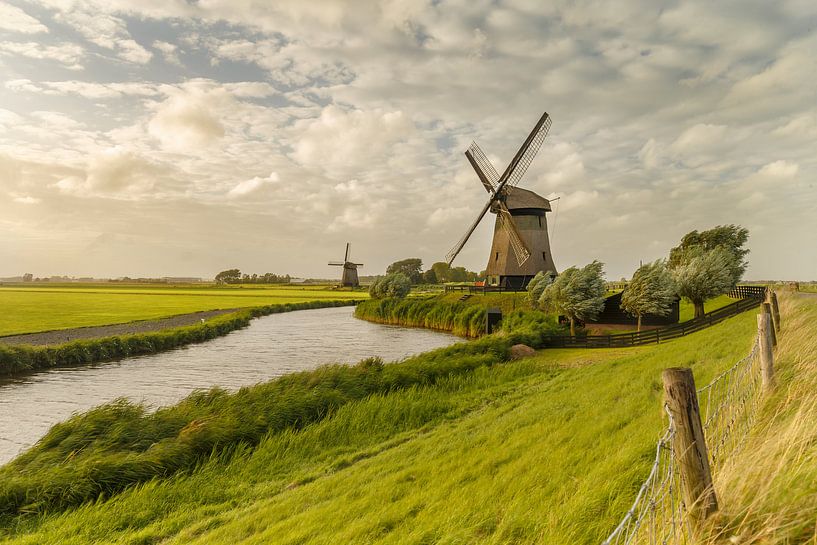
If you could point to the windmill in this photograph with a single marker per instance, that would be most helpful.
(349, 278)
(520, 246)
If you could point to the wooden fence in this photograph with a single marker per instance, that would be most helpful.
(749, 297)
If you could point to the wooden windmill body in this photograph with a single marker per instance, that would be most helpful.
(349, 278)
(520, 247)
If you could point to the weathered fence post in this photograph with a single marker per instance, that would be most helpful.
(775, 312)
(767, 309)
(688, 443)
(764, 334)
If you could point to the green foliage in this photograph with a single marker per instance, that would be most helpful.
(392, 285)
(702, 274)
(651, 291)
(576, 293)
(21, 358)
(537, 285)
(230, 276)
(732, 238)
(430, 277)
(445, 273)
(411, 268)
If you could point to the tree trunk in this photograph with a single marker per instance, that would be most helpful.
(699, 308)
(572, 326)
(639, 323)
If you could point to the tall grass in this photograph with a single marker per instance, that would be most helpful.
(16, 359)
(768, 489)
(103, 451)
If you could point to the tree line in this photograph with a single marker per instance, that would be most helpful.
(234, 276)
(704, 265)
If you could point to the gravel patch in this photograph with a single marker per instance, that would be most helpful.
(66, 335)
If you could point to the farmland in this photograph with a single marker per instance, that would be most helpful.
(27, 308)
(549, 449)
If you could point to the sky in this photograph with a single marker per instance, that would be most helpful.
(175, 138)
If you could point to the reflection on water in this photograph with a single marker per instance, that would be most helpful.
(269, 347)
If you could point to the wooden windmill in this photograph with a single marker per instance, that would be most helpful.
(349, 278)
(520, 247)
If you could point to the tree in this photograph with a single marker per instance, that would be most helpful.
(702, 274)
(730, 237)
(576, 293)
(429, 277)
(537, 285)
(391, 285)
(442, 270)
(651, 291)
(230, 276)
(411, 267)
(28, 277)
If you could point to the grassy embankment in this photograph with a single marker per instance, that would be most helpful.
(454, 446)
(30, 308)
(23, 358)
(447, 312)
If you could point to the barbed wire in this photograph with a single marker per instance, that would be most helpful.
(658, 514)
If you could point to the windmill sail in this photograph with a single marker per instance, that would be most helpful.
(485, 170)
(524, 157)
(520, 249)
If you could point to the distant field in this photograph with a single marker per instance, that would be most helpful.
(27, 309)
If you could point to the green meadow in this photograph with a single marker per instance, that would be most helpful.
(459, 445)
(26, 308)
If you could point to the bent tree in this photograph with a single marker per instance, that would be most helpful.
(576, 293)
(651, 291)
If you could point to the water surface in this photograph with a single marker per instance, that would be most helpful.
(270, 347)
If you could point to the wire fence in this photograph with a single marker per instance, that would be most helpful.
(728, 406)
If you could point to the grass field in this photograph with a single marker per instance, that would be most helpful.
(28, 309)
(549, 449)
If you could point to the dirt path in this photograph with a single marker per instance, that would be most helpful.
(65, 335)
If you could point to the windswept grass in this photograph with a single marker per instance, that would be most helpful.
(22, 358)
(548, 450)
(768, 490)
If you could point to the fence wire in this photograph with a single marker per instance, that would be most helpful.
(728, 406)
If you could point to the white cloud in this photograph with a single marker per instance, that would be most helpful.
(67, 54)
(27, 199)
(779, 169)
(252, 185)
(186, 122)
(169, 51)
(343, 141)
(14, 19)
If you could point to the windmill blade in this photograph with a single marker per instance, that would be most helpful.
(449, 257)
(524, 157)
(520, 249)
(482, 165)
(348, 246)
(336, 263)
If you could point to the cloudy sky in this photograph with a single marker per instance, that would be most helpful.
(166, 137)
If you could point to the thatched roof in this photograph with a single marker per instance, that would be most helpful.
(523, 198)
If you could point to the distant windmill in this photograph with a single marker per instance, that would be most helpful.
(349, 278)
(521, 225)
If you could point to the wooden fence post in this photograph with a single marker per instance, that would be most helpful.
(688, 443)
(775, 312)
(764, 333)
(767, 309)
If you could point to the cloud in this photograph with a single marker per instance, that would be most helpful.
(27, 199)
(116, 172)
(344, 141)
(14, 19)
(169, 51)
(186, 121)
(67, 54)
(779, 170)
(252, 185)
(104, 30)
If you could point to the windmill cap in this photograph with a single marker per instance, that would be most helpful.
(524, 198)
